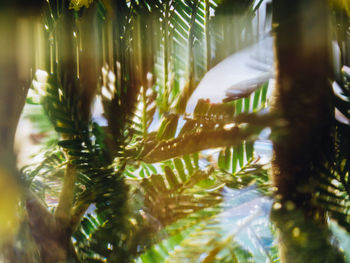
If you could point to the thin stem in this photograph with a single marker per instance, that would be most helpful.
(78, 212)
(63, 210)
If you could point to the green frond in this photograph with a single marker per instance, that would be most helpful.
(166, 202)
(46, 176)
(196, 136)
(216, 237)
(178, 192)
(232, 27)
(135, 187)
(333, 184)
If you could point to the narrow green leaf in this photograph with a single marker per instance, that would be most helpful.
(152, 168)
(234, 160)
(142, 173)
(87, 226)
(129, 174)
(264, 92)
(180, 169)
(249, 149)
(188, 163)
(171, 178)
(240, 155)
(239, 104)
(227, 158)
(246, 104)
(71, 144)
(195, 157)
(221, 159)
(145, 168)
(256, 99)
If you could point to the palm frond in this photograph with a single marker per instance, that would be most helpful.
(333, 186)
(212, 126)
(210, 241)
(170, 197)
(46, 176)
(150, 49)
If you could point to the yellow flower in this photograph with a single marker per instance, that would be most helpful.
(77, 4)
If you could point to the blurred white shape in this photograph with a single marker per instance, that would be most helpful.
(41, 76)
(339, 93)
(26, 148)
(263, 149)
(346, 70)
(261, 21)
(97, 112)
(106, 93)
(39, 84)
(242, 72)
(236, 76)
(336, 59)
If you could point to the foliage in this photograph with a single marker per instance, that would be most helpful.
(333, 188)
(191, 190)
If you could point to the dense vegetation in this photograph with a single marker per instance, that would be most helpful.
(123, 173)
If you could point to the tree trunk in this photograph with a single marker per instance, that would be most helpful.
(303, 100)
(303, 95)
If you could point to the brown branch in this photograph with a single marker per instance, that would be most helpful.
(40, 219)
(45, 230)
(78, 212)
(194, 142)
(246, 126)
(63, 210)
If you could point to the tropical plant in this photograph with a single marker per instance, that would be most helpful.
(111, 186)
